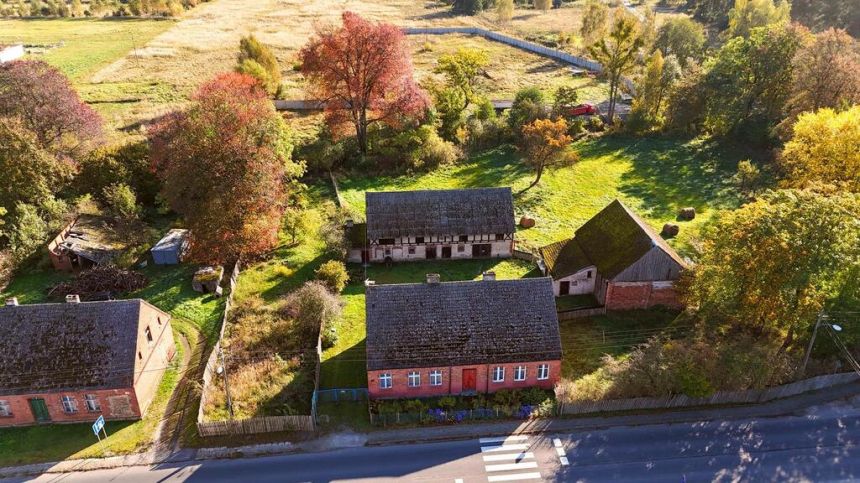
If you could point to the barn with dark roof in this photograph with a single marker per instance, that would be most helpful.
(617, 257)
(74, 361)
(438, 338)
(431, 224)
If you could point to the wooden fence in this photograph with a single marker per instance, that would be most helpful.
(580, 313)
(751, 396)
(264, 424)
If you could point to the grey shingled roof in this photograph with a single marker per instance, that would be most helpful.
(52, 347)
(439, 212)
(460, 323)
(172, 241)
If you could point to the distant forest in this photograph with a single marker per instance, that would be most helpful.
(95, 8)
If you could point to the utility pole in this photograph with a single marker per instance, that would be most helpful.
(226, 382)
(818, 321)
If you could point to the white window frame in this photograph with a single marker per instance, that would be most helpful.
(436, 378)
(498, 374)
(92, 403)
(70, 406)
(413, 376)
(520, 373)
(5, 409)
(386, 381)
(543, 372)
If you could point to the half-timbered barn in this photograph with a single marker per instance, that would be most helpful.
(617, 257)
(439, 338)
(436, 224)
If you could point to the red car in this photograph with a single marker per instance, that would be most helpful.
(583, 110)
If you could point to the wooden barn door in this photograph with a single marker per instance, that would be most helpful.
(40, 410)
(564, 288)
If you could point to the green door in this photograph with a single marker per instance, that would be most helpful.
(40, 410)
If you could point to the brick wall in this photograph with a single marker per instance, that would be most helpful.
(641, 295)
(115, 404)
(452, 380)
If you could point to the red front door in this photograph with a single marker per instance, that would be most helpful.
(470, 377)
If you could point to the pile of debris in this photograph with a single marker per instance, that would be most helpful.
(100, 283)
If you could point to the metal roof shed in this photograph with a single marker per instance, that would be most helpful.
(170, 249)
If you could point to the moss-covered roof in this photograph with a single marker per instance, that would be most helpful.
(564, 258)
(611, 240)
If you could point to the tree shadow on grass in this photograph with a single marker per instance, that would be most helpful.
(669, 174)
(52, 442)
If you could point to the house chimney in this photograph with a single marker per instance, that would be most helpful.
(12, 302)
(433, 278)
(73, 299)
(490, 275)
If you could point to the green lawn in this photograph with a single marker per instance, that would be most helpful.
(585, 341)
(654, 176)
(55, 442)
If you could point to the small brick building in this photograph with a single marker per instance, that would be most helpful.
(440, 338)
(617, 257)
(434, 224)
(71, 362)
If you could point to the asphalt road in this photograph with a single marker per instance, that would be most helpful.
(818, 447)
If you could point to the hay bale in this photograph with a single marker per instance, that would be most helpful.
(526, 222)
(670, 230)
(687, 213)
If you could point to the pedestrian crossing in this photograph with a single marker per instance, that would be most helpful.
(506, 459)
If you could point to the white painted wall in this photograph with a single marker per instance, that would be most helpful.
(10, 53)
(400, 250)
(579, 282)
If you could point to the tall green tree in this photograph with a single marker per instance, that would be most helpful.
(651, 91)
(462, 70)
(772, 265)
(749, 14)
(617, 54)
(682, 37)
(258, 61)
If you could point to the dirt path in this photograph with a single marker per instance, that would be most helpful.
(169, 430)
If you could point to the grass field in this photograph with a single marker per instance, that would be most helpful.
(654, 177)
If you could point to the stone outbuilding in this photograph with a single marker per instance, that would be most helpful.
(439, 338)
(435, 224)
(617, 257)
(76, 361)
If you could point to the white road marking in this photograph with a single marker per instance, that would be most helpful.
(560, 451)
(512, 466)
(564, 461)
(503, 439)
(511, 456)
(515, 477)
(556, 442)
(507, 447)
(458, 480)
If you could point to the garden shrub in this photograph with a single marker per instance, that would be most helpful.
(333, 274)
(316, 309)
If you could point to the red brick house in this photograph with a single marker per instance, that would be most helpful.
(617, 257)
(71, 362)
(440, 338)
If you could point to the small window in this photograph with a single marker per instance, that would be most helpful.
(5, 409)
(414, 379)
(385, 381)
(69, 404)
(386, 241)
(499, 374)
(520, 373)
(148, 334)
(588, 274)
(387, 252)
(464, 238)
(92, 403)
(543, 372)
(159, 321)
(139, 356)
(461, 248)
(419, 239)
(500, 236)
(412, 250)
(436, 378)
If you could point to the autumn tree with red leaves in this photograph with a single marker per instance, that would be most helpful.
(226, 163)
(362, 71)
(47, 104)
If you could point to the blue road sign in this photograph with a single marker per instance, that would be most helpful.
(98, 425)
